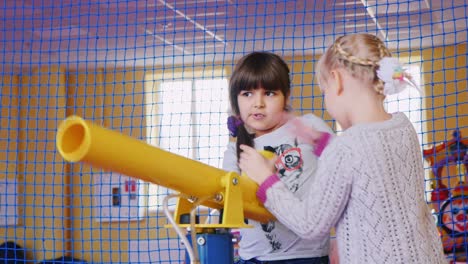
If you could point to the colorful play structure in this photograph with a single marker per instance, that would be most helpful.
(199, 184)
(449, 195)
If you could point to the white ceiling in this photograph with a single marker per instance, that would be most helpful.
(96, 33)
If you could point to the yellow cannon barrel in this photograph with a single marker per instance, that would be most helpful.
(79, 140)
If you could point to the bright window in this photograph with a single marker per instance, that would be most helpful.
(187, 117)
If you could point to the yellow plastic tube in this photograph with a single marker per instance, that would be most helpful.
(79, 140)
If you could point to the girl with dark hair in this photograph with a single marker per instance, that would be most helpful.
(259, 91)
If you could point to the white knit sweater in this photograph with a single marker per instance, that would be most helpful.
(370, 185)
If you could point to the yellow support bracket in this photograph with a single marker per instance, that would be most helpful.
(233, 213)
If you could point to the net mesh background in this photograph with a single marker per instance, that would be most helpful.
(158, 70)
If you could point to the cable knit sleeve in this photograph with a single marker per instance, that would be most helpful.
(320, 125)
(314, 216)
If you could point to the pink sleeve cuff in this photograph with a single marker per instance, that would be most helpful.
(322, 143)
(261, 193)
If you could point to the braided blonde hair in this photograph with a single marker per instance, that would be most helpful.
(359, 54)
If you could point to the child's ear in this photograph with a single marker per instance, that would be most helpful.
(337, 79)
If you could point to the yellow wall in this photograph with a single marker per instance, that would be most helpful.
(54, 192)
(33, 161)
(446, 68)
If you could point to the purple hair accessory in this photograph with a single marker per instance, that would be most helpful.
(233, 125)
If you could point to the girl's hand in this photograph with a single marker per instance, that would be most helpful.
(305, 133)
(255, 165)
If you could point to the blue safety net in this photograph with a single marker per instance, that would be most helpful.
(156, 72)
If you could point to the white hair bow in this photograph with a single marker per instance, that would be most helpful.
(395, 76)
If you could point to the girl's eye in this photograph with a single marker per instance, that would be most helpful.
(246, 93)
(270, 93)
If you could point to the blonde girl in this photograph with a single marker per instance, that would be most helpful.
(370, 181)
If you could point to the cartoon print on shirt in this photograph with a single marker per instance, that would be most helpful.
(289, 164)
(268, 228)
(289, 167)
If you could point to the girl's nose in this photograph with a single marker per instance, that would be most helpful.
(259, 103)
